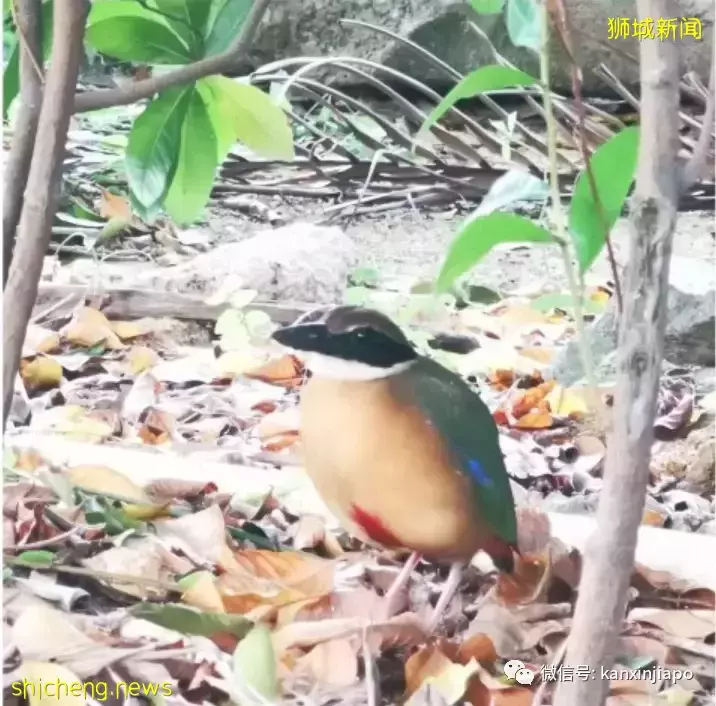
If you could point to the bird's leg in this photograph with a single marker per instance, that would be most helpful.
(449, 589)
(400, 581)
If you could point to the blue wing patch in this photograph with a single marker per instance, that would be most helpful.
(478, 473)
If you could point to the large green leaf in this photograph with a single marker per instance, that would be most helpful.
(254, 668)
(487, 7)
(256, 120)
(153, 146)
(223, 129)
(125, 30)
(613, 166)
(225, 22)
(190, 621)
(524, 24)
(11, 75)
(482, 80)
(196, 166)
(476, 238)
(192, 13)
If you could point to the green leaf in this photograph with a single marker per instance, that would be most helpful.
(190, 621)
(482, 80)
(547, 302)
(11, 76)
(196, 166)
(225, 23)
(477, 236)
(524, 24)
(37, 557)
(256, 120)
(125, 30)
(223, 129)
(613, 166)
(192, 13)
(254, 670)
(153, 146)
(487, 7)
(511, 187)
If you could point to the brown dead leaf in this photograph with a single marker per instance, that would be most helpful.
(527, 583)
(89, 328)
(285, 371)
(533, 530)
(157, 427)
(42, 373)
(531, 399)
(39, 340)
(696, 624)
(428, 661)
(538, 419)
(140, 359)
(28, 460)
(113, 206)
(163, 491)
(652, 518)
(309, 532)
(478, 647)
(133, 329)
(334, 662)
(274, 578)
(279, 442)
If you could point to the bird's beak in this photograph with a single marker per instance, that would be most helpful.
(300, 337)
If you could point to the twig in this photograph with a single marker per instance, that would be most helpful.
(693, 169)
(609, 555)
(562, 235)
(132, 92)
(43, 542)
(576, 72)
(28, 20)
(40, 201)
(96, 574)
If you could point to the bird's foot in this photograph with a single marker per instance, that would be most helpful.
(395, 597)
(449, 589)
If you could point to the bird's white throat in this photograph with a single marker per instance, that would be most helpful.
(324, 366)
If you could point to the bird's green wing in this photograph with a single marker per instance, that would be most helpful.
(463, 420)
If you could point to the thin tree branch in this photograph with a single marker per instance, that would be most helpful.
(609, 556)
(694, 168)
(125, 95)
(40, 198)
(28, 20)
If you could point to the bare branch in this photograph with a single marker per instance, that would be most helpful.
(694, 168)
(110, 97)
(609, 558)
(28, 19)
(40, 199)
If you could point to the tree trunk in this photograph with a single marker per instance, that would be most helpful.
(28, 16)
(40, 201)
(609, 559)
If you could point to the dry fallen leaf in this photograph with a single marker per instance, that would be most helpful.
(140, 359)
(567, 402)
(133, 329)
(285, 371)
(696, 624)
(158, 427)
(113, 206)
(39, 340)
(41, 373)
(89, 328)
(334, 662)
(281, 441)
(430, 668)
(106, 481)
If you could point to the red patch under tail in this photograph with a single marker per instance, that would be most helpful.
(374, 528)
(502, 554)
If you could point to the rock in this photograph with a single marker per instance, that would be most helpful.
(701, 472)
(683, 501)
(314, 29)
(690, 329)
(299, 262)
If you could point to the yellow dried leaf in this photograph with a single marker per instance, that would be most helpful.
(132, 329)
(567, 402)
(652, 518)
(41, 373)
(204, 594)
(234, 363)
(89, 328)
(105, 480)
(141, 359)
(39, 340)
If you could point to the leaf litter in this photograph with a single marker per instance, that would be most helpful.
(234, 586)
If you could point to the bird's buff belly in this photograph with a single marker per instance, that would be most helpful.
(383, 473)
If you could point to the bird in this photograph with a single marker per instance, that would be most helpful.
(402, 451)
